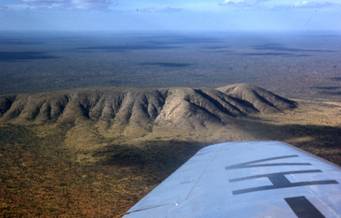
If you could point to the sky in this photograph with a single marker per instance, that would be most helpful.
(170, 15)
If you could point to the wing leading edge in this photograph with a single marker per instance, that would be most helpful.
(247, 179)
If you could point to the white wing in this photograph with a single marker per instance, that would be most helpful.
(247, 179)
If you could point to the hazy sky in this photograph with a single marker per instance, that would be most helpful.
(161, 15)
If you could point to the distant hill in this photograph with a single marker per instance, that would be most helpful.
(143, 107)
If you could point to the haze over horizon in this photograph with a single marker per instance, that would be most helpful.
(170, 15)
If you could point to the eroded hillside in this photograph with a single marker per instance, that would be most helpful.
(95, 152)
(143, 107)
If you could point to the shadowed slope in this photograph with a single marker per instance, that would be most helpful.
(144, 107)
(263, 100)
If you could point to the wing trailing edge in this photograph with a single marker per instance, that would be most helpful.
(247, 179)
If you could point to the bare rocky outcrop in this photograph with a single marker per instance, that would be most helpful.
(261, 99)
(144, 107)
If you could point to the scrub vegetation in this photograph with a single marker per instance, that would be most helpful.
(95, 152)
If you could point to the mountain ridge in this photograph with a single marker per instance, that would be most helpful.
(143, 107)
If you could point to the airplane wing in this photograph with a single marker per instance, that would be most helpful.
(245, 180)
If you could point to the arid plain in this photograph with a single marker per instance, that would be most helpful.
(90, 126)
(95, 152)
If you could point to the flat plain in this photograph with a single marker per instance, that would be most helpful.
(90, 124)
